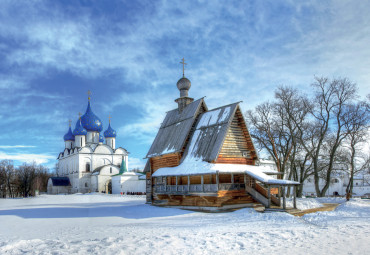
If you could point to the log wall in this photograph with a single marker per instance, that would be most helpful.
(222, 198)
(237, 147)
(169, 160)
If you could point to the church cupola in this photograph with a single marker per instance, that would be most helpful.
(80, 133)
(69, 138)
(183, 85)
(91, 123)
(110, 136)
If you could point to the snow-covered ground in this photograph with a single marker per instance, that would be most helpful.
(108, 224)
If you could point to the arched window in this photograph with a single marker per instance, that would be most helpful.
(87, 167)
(85, 184)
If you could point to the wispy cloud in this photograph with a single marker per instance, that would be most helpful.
(29, 158)
(136, 163)
(237, 51)
(16, 146)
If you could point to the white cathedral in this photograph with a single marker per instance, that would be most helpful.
(87, 164)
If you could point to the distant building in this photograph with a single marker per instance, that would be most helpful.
(338, 185)
(128, 182)
(89, 160)
(206, 158)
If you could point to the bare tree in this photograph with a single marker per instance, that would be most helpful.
(357, 128)
(26, 175)
(328, 128)
(8, 176)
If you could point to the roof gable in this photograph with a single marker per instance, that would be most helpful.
(175, 129)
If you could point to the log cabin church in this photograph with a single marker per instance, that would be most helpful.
(205, 158)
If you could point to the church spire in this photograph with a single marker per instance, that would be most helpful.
(183, 85)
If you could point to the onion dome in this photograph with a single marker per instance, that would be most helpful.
(90, 121)
(101, 138)
(110, 132)
(69, 136)
(184, 84)
(79, 129)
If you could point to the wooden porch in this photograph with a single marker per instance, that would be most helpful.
(216, 185)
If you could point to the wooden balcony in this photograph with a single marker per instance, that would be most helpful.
(196, 188)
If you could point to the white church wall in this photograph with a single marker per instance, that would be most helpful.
(128, 182)
(337, 186)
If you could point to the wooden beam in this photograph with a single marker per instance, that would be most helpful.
(269, 196)
(217, 181)
(202, 182)
(294, 197)
(176, 184)
(165, 183)
(284, 199)
(188, 183)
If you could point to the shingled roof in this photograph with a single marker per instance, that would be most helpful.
(210, 133)
(175, 129)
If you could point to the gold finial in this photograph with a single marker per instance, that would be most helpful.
(70, 122)
(109, 118)
(89, 94)
(183, 66)
(79, 115)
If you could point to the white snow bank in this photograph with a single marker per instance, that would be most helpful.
(194, 166)
(304, 203)
(126, 225)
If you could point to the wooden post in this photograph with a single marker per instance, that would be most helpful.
(217, 181)
(294, 197)
(165, 183)
(269, 196)
(202, 181)
(232, 178)
(176, 184)
(279, 194)
(188, 183)
(245, 180)
(284, 200)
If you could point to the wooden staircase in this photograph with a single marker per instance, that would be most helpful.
(260, 194)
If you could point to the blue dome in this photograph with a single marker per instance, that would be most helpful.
(79, 129)
(69, 136)
(110, 132)
(90, 121)
(101, 138)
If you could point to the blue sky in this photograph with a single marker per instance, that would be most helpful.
(128, 52)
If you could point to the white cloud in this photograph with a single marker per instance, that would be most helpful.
(29, 158)
(136, 163)
(16, 146)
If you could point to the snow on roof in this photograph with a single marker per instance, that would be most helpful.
(195, 166)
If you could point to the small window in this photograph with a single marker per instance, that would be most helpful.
(85, 184)
(111, 170)
(87, 167)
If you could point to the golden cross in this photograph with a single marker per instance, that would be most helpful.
(183, 66)
(79, 114)
(109, 118)
(89, 94)
(70, 122)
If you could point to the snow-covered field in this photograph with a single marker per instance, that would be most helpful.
(108, 224)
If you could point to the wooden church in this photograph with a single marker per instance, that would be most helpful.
(206, 158)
